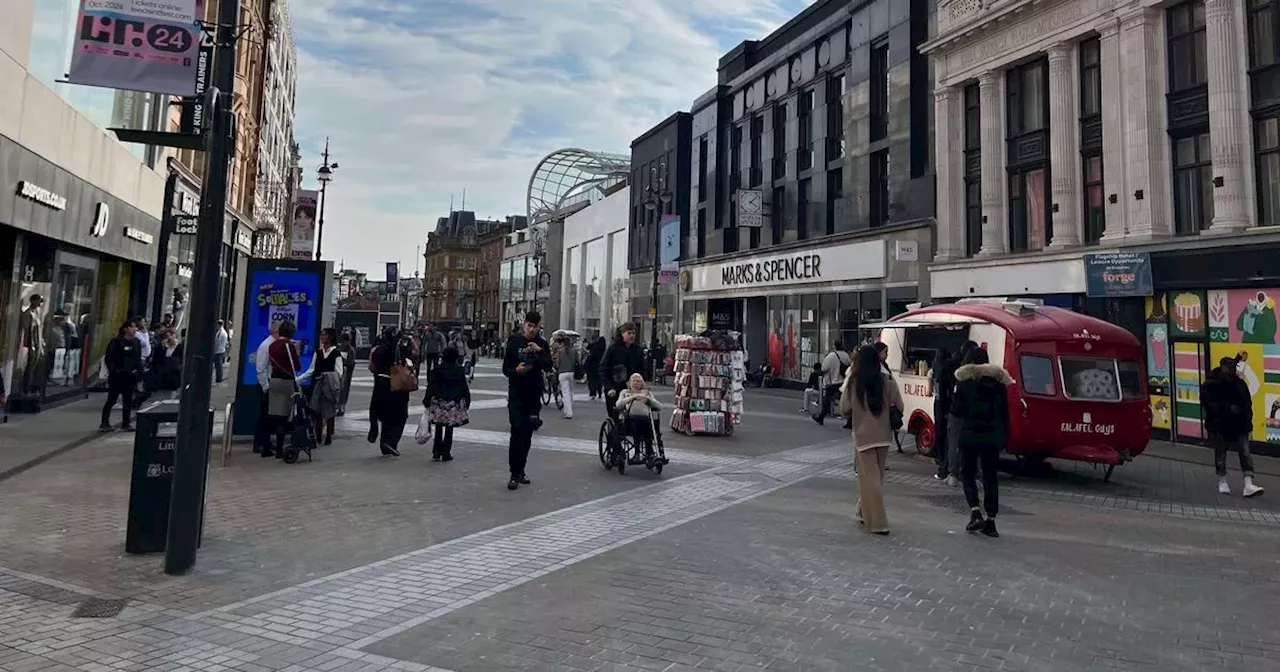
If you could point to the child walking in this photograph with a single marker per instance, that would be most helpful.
(447, 399)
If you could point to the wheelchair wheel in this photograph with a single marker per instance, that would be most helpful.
(657, 469)
(606, 455)
(290, 455)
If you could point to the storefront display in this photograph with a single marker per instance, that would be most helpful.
(710, 371)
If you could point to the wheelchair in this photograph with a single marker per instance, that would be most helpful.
(619, 449)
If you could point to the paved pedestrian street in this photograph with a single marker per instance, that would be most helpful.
(742, 555)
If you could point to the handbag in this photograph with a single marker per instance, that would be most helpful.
(402, 378)
(895, 418)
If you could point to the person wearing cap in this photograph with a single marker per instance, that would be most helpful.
(1227, 405)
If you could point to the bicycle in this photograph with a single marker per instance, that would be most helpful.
(551, 390)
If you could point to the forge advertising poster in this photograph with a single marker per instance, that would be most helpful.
(137, 45)
(279, 295)
(302, 229)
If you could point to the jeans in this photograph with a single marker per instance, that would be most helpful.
(120, 387)
(986, 456)
(812, 398)
(219, 365)
(566, 391)
(1221, 446)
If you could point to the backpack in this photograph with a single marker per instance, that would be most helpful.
(844, 366)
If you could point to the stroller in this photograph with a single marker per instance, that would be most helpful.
(302, 431)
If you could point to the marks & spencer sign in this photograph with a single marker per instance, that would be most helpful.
(841, 263)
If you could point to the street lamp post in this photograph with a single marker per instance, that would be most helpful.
(657, 201)
(325, 175)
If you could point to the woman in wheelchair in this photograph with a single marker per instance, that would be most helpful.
(634, 405)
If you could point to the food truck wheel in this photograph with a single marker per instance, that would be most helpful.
(924, 438)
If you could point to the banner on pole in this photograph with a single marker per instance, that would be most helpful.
(302, 230)
(137, 45)
(393, 277)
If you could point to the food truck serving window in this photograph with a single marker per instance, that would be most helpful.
(922, 345)
(1095, 379)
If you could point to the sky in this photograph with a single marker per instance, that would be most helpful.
(423, 99)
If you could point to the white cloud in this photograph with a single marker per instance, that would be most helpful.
(426, 98)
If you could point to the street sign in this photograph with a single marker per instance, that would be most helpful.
(750, 208)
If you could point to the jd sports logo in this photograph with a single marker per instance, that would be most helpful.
(101, 218)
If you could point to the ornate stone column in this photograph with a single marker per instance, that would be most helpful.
(991, 95)
(1064, 145)
(948, 124)
(1113, 134)
(1227, 134)
(1145, 139)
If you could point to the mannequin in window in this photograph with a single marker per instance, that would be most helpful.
(31, 335)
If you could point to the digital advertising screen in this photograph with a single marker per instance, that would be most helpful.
(277, 295)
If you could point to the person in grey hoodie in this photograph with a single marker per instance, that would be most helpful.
(433, 343)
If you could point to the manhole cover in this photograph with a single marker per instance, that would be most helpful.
(956, 504)
(96, 607)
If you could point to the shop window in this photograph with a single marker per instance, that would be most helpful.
(779, 141)
(703, 169)
(804, 150)
(735, 161)
(778, 213)
(1090, 379)
(1264, 54)
(1192, 184)
(1028, 210)
(1266, 137)
(1030, 221)
(810, 347)
(756, 152)
(972, 170)
(1037, 375)
(879, 95)
(1095, 215)
(879, 210)
(835, 192)
(804, 192)
(847, 319)
(835, 115)
(1187, 51)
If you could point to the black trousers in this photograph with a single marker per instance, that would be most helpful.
(443, 442)
(393, 430)
(941, 427)
(829, 394)
(262, 431)
(120, 387)
(431, 360)
(518, 448)
(640, 427)
(985, 455)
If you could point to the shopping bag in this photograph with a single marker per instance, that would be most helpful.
(423, 434)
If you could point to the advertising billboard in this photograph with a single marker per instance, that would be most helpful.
(137, 45)
(276, 295)
(302, 229)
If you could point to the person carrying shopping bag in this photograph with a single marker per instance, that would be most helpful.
(447, 399)
(867, 397)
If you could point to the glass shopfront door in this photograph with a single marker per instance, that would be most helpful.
(69, 320)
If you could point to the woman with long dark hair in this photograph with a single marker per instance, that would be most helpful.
(389, 409)
(867, 397)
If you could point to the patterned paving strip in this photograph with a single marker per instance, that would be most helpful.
(1111, 502)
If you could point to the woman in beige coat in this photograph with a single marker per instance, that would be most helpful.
(866, 396)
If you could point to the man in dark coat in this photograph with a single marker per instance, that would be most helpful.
(527, 358)
(1228, 418)
(623, 358)
(981, 406)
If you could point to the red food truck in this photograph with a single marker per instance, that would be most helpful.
(1080, 384)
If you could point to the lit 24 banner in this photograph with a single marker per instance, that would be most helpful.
(137, 45)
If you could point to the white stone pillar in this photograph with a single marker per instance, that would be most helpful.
(1227, 132)
(1145, 139)
(948, 125)
(991, 95)
(1113, 134)
(1064, 145)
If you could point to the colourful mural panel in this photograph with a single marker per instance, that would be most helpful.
(1189, 367)
(1161, 413)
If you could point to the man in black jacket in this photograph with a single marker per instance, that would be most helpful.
(623, 358)
(123, 361)
(1228, 418)
(527, 358)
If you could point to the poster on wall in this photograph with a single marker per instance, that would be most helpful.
(278, 295)
(302, 230)
(1187, 314)
(137, 45)
(1158, 369)
(1189, 363)
(1242, 325)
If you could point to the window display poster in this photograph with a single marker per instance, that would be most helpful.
(276, 295)
(1189, 363)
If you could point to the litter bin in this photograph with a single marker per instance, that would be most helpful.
(152, 482)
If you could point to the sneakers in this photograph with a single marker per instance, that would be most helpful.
(952, 481)
(989, 528)
(1223, 487)
(106, 428)
(1249, 488)
(975, 522)
(517, 480)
